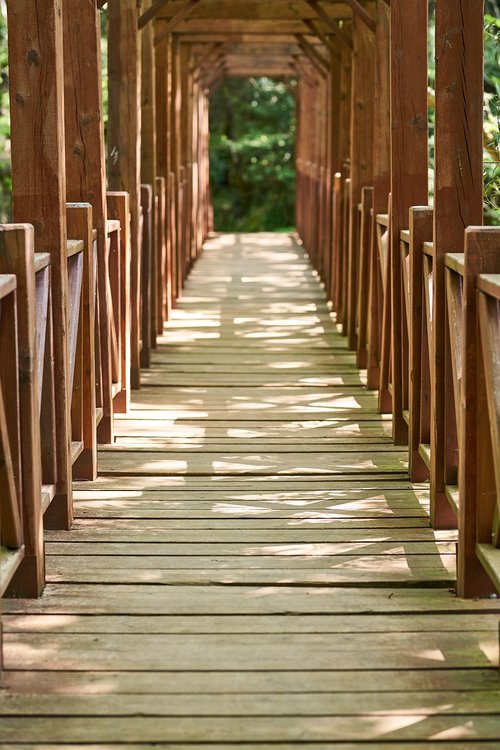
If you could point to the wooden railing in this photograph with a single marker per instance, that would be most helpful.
(20, 339)
(11, 507)
(399, 276)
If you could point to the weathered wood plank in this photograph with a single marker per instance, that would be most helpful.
(330, 729)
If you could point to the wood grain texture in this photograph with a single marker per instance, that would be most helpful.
(307, 600)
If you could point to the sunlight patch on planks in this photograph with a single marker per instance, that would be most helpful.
(252, 566)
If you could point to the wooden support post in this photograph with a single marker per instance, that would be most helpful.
(163, 111)
(17, 247)
(124, 144)
(80, 220)
(420, 232)
(361, 172)
(175, 165)
(149, 163)
(458, 196)
(162, 290)
(119, 208)
(86, 168)
(381, 187)
(39, 188)
(409, 166)
(146, 287)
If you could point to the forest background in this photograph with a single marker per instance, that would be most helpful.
(253, 135)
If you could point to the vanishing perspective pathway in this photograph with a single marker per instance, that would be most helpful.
(253, 567)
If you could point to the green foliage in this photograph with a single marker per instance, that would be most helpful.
(491, 161)
(491, 156)
(5, 168)
(252, 163)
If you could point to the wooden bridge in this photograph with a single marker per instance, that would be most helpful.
(251, 483)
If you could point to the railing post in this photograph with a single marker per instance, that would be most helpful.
(39, 188)
(17, 248)
(482, 255)
(80, 227)
(420, 232)
(162, 290)
(119, 208)
(146, 281)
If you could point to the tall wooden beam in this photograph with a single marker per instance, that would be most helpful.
(409, 169)
(39, 186)
(319, 62)
(86, 174)
(361, 160)
(148, 176)
(124, 141)
(381, 188)
(174, 22)
(322, 37)
(458, 203)
(335, 28)
(362, 13)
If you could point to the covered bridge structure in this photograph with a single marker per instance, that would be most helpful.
(250, 483)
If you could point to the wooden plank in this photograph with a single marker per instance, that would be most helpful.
(207, 652)
(284, 729)
(221, 624)
(200, 598)
(295, 704)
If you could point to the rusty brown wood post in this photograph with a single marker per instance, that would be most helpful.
(86, 175)
(118, 204)
(163, 109)
(458, 202)
(381, 186)
(409, 170)
(175, 165)
(149, 170)
(39, 188)
(80, 220)
(420, 232)
(361, 157)
(124, 143)
(17, 255)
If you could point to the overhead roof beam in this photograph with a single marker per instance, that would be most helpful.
(175, 20)
(362, 13)
(339, 33)
(322, 37)
(316, 59)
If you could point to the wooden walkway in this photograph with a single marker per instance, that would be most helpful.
(252, 567)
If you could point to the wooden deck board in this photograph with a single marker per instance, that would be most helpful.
(253, 567)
